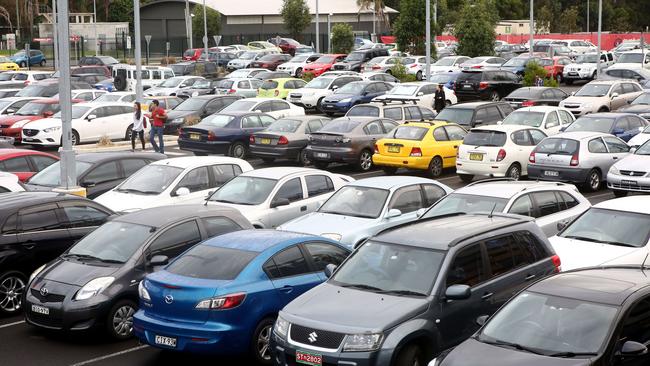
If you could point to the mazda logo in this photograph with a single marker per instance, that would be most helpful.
(313, 336)
(169, 299)
(44, 291)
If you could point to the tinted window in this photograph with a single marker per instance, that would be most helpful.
(131, 166)
(432, 194)
(289, 262)
(176, 240)
(223, 173)
(196, 180)
(318, 184)
(393, 113)
(19, 164)
(412, 113)
(39, 219)
(615, 145)
(522, 206)
(546, 203)
(569, 200)
(485, 138)
(219, 225)
(521, 138)
(467, 267)
(373, 128)
(439, 134)
(558, 146)
(537, 136)
(499, 252)
(211, 262)
(103, 173)
(323, 254)
(250, 122)
(82, 216)
(455, 133)
(291, 190)
(407, 199)
(531, 248)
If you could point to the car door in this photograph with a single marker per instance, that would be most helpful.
(281, 109)
(101, 178)
(633, 326)
(319, 188)
(547, 206)
(250, 125)
(290, 274)
(196, 181)
(617, 97)
(444, 147)
(171, 243)
(290, 190)
(617, 150)
(90, 128)
(82, 217)
(492, 115)
(41, 235)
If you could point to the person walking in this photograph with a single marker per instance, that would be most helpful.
(158, 118)
(139, 124)
(439, 99)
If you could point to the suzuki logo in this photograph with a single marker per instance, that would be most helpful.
(313, 337)
(169, 299)
(44, 291)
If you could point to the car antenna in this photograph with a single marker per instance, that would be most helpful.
(492, 212)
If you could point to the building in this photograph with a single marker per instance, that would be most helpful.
(513, 27)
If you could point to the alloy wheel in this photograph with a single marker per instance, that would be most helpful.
(514, 172)
(11, 292)
(263, 338)
(365, 161)
(594, 180)
(123, 320)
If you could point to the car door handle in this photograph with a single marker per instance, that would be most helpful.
(615, 157)
(530, 277)
(29, 245)
(487, 295)
(303, 208)
(286, 289)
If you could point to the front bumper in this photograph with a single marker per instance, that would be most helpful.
(332, 154)
(627, 183)
(335, 107)
(409, 162)
(67, 315)
(209, 147)
(564, 174)
(305, 101)
(15, 133)
(42, 138)
(577, 75)
(488, 169)
(274, 151)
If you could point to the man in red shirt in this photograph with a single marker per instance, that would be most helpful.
(158, 117)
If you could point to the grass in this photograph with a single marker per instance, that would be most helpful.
(105, 141)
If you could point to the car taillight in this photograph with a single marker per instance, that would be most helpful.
(376, 67)
(557, 262)
(528, 103)
(26, 82)
(483, 85)
(501, 155)
(222, 302)
(477, 67)
(251, 139)
(180, 131)
(574, 160)
(283, 140)
(211, 136)
(376, 149)
(414, 66)
(231, 91)
(415, 151)
(276, 93)
(531, 158)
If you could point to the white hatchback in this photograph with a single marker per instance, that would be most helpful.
(448, 64)
(547, 118)
(276, 108)
(10, 183)
(422, 93)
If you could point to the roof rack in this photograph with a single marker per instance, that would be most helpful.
(559, 184)
(404, 100)
(491, 180)
(430, 122)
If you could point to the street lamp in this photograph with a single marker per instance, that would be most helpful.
(205, 31)
(329, 33)
(427, 43)
(317, 30)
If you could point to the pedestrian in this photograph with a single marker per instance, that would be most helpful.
(139, 125)
(158, 118)
(439, 99)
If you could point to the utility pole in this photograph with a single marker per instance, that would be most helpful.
(588, 17)
(138, 50)
(427, 42)
(17, 24)
(68, 171)
(188, 23)
(532, 25)
(435, 13)
(95, 25)
(55, 39)
(205, 31)
(317, 30)
(329, 33)
(600, 24)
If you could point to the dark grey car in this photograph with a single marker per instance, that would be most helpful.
(405, 295)
(348, 140)
(197, 107)
(286, 138)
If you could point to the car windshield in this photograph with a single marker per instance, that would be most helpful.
(108, 97)
(284, 125)
(6, 76)
(151, 179)
(404, 90)
(630, 58)
(586, 59)
(114, 241)
(248, 55)
(269, 84)
(191, 104)
(340, 126)
(351, 88)
(240, 106)
(550, 325)
(642, 99)
(593, 90)
(19, 54)
(363, 111)
(319, 83)
(462, 116)
(594, 124)
(516, 62)
(441, 78)
(201, 84)
(477, 137)
(51, 176)
(4, 104)
(217, 120)
(4, 59)
(614, 227)
(355, 56)
(445, 61)
(356, 201)
(525, 118)
(77, 111)
(325, 60)
(33, 91)
(409, 133)
(299, 59)
(171, 83)
(238, 74)
(34, 109)
(390, 269)
(466, 203)
(243, 190)
(211, 262)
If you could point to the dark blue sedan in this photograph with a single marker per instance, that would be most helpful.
(622, 125)
(223, 295)
(223, 133)
(351, 94)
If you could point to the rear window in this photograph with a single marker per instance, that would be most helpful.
(363, 111)
(524, 93)
(339, 126)
(410, 133)
(558, 146)
(485, 138)
(211, 263)
(269, 84)
(225, 84)
(469, 76)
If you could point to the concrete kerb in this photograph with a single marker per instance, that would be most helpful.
(169, 141)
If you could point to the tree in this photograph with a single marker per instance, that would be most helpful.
(296, 16)
(543, 19)
(342, 38)
(214, 22)
(620, 21)
(121, 11)
(568, 22)
(410, 28)
(475, 30)
(378, 6)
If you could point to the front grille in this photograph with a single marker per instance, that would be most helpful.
(571, 106)
(632, 173)
(322, 338)
(45, 320)
(339, 67)
(30, 132)
(295, 95)
(635, 187)
(47, 298)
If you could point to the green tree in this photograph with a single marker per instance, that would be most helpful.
(214, 22)
(543, 19)
(620, 21)
(121, 11)
(295, 14)
(342, 38)
(410, 27)
(534, 70)
(475, 30)
(568, 21)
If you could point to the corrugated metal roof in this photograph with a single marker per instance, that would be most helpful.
(272, 7)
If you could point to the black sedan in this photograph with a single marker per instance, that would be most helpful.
(201, 87)
(639, 106)
(95, 283)
(195, 109)
(286, 138)
(485, 85)
(536, 95)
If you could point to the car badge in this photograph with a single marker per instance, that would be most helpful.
(169, 299)
(313, 336)
(44, 291)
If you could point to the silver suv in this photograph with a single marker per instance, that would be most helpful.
(602, 96)
(399, 112)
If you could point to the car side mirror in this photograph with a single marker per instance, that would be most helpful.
(573, 93)
(91, 117)
(159, 260)
(279, 202)
(419, 94)
(258, 111)
(563, 128)
(481, 320)
(419, 213)
(210, 193)
(458, 292)
(393, 212)
(499, 122)
(88, 184)
(632, 150)
(618, 131)
(329, 270)
(48, 114)
(334, 87)
(614, 95)
(632, 348)
(10, 111)
(561, 225)
(182, 191)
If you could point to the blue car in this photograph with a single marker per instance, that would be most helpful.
(36, 57)
(222, 296)
(622, 125)
(105, 85)
(351, 94)
(518, 64)
(447, 79)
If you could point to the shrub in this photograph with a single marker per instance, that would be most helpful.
(192, 120)
(308, 76)
(400, 72)
(533, 70)
(105, 141)
(342, 38)
(167, 61)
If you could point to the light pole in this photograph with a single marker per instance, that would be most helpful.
(205, 31)
(95, 25)
(427, 42)
(531, 25)
(188, 23)
(317, 30)
(18, 23)
(600, 24)
(68, 172)
(329, 33)
(55, 39)
(587, 16)
(138, 50)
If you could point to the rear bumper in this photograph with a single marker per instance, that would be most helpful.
(408, 162)
(626, 183)
(336, 108)
(210, 147)
(329, 154)
(570, 175)
(472, 95)
(274, 151)
(488, 169)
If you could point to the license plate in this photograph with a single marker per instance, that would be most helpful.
(630, 182)
(195, 136)
(393, 149)
(40, 310)
(551, 173)
(165, 341)
(322, 155)
(329, 106)
(266, 141)
(466, 86)
(573, 73)
(307, 358)
(477, 157)
(27, 139)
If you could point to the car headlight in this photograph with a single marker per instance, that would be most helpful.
(51, 129)
(35, 273)
(332, 236)
(20, 123)
(614, 170)
(142, 291)
(362, 342)
(346, 100)
(94, 287)
(281, 328)
(178, 120)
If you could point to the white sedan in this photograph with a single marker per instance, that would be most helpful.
(297, 63)
(448, 64)
(90, 122)
(547, 118)
(182, 180)
(277, 108)
(172, 86)
(272, 196)
(483, 63)
(10, 183)
(420, 92)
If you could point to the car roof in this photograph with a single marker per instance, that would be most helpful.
(539, 108)
(609, 115)
(504, 128)
(639, 204)
(259, 240)
(185, 162)
(450, 230)
(389, 182)
(164, 215)
(470, 105)
(22, 199)
(579, 135)
(606, 285)
(280, 172)
(507, 189)
(95, 157)
(100, 104)
(21, 152)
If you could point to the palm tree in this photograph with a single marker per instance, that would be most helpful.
(4, 14)
(378, 6)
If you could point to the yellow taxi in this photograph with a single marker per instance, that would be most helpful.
(7, 65)
(429, 146)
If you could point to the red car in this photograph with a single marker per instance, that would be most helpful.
(192, 54)
(555, 66)
(323, 64)
(24, 163)
(270, 62)
(12, 125)
(287, 45)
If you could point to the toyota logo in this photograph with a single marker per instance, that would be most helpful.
(313, 336)
(169, 299)
(44, 291)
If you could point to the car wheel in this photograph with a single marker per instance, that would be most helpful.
(303, 159)
(42, 63)
(237, 150)
(593, 76)
(260, 342)
(435, 167)
(318, 105)
(593, 181)
(447, 103)
(299, 72)
(365, 161)
(129, 132)
(389, 170)
(268, 160)
(618, 193)
(418, 75)
(514, 172)
(23, 64)
(12, 287)
(411, 355)
(321, 165)
(466, 178)
(495, 96)
(75, 138)
(120, 319)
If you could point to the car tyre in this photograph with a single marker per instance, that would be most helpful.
(322, 165)
(268, 160)
(260, 347)
(12, 287)
(237, 150)
(466, 178)
(119, 322)
(593, 181)
(365, 160)
(389, 170)
(303, 159)
(23, 64)
(494, 96)
(603, 110)
(410, 355)
(319, 103)
(514, 172)
(75, 138)
(42, 63)
(418, 75)
(619, 193)
(435, 167)
(200, 154)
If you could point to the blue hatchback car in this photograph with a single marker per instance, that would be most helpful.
(622, 125)
(36, 57)
(353, 93)
(222, 296)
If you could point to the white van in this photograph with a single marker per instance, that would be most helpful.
(124, 76)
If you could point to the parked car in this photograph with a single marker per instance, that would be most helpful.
(270, 197)
(226, 133)
(263, 45)
(552, 205)
(470, 115)
(97, 172)
(33, 110)
(510, 51)
(243, 87)
(279, 88)
(415, 65)
(248, 289)
(397, 111)
(517, 65)
(270, 62)
(81, 70)
(581, 158)
(381, 64)
(448, 64)
(634, 59)
(201, 87)
(630, 174)
(482, 63)
(357, 59)
(535, 95)
(38, 227)
(554, 49)
(622, 125)
(85, 95)
(265, 75)
(25, 163)
(286, 138)
(7, 65)
(485, 85)
(584, 67)
(421, 93)
(612, 232)
(247, 57)
(448, 79)
(10, 105)
(20, 79)
(353, 93)
(192, 54)
(497, 151)
(195, 68)
(47, 88)
(552, 312)
(616, 73)
(602, 96)
(323, 64)
(286, 45)
(89, 79)
(577, 46)
(100, 60)
(173, 85)
(428, 146)
(640, 139)
(314, 92)
(401, 276)
(276, 108)
(36, 57)
(165, 102)
(639, 106)
(95, 281)
(124, 97)
(10, 183)
(245, 73)
(196, 109)
(554, 67)
(220, 59)
(295, 66)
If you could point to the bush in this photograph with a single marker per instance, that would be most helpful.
(167, 61)
(533, 70)
(401, 73)
(105, 141)
(192, 120)
(342, 38)
(308, 76)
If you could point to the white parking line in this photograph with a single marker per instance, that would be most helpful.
(101, 358)
(11, 324)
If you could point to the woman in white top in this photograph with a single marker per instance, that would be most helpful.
(139, 124)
